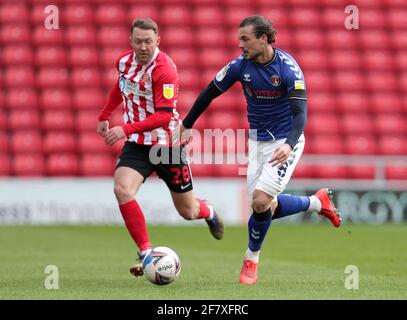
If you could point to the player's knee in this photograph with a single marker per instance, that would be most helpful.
(261, 202)
(123, 193)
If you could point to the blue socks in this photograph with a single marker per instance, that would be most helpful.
(258, 224)
(288, 205)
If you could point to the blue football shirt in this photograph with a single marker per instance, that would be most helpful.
(266, 88)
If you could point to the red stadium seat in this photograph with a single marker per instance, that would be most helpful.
(385, 102)
(17, 55)
(83, 57)
(361, 171)
(4, 142)
(109, 77)
(373, 39)
(207, 76)
(5, 164)
(371, 18)
(178, 36)
(308, 17)
(210, 37)
(234, 15)
(186, 99)
(86, 120)
(213, 58)
(325, 144)
(21, 98)
(401, 60)
(360, 144)
(396, 171)
(229, 102)
(13, 13)
(312, 59)
(204, 16)
(26, 141)
(43, 36)
(379, 60)
(85, 77)
(15, 34)
(318, 81)
(59, 141)
(37, 12)
(323, 123)
(357, 123)
(111, 14)
(324, 102)
(75, 14)
(81, 35)
(283, 40)
(58, 120)
(352, 102)
(16, 77)
(96, 164)
(278, 15)
(183, 57)
(345, 59)
(224, 119)
(375, 79)
(23, 119)
(53, 77)
(349, 80)
(309, 38)
(88, 99)
(333, 17)
(396, 18)
(113, 36)
(56, 99)
(393, 145)
(65, 164)
(398, 39)
(391, 124)
(230, 170)
(146, 10)
(92, 142)
(342, 39)
(331, 171)
(49, 56)
(28, 165)
(303, 171)
(189, 78)
(109, 55)
(175, 15)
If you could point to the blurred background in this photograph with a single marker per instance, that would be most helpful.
(53, 83)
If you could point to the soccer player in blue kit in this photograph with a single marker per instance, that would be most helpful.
(275, 91)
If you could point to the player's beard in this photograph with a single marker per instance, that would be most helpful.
(252, 56)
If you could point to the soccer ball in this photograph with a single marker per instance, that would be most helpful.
(161, 266)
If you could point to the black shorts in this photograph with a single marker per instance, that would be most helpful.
(170, 164)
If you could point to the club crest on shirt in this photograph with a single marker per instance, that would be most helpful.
(168, 91)
(275, 80)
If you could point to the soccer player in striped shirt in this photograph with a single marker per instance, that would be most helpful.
(275, 92)
(148, 86)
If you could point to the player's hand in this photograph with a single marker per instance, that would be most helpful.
(281, 155)
(102, 128)
(114, 134)
(180, 135)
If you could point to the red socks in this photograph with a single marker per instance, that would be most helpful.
(204, 211)
(136, 224)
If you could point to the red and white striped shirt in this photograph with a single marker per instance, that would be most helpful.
(145, 90)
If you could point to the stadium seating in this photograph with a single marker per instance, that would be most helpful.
(54, 82)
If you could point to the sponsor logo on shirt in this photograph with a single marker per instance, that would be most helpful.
(246, 77)
(168, 91)
(222, 73)
(299, 85)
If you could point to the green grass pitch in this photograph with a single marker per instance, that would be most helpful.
(297, 262)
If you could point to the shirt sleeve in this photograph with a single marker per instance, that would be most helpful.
(293, 76)
(228, 75)
(165, 84)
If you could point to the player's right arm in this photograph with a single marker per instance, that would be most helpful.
(224, 79)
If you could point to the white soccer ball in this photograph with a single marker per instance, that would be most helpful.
(161, 266)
